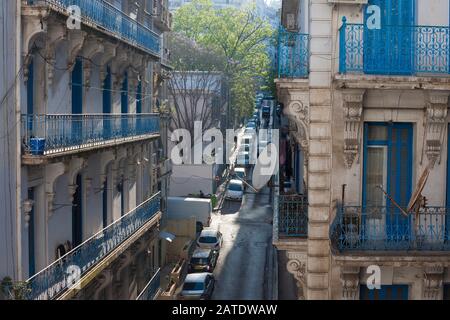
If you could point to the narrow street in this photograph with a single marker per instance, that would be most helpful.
(244, 270)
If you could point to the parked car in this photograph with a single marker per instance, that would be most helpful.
(198, 286)
(235, 190)
(210, 239)
(203, 260)
(240, 172)
(243, 158)
(266, 111)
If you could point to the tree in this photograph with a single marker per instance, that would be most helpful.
(240, 37)
(196, 87)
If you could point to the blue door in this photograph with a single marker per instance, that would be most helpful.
(387, 162)
(77, 102)
(139, 128)
(31, 249)
(389, 50)
(77, 214)
(387, 292)
(107, 101)
(105, 203)
(124, 105)
(30, 95)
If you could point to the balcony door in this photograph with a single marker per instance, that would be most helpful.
(388, 163)
(107, 102)
(389, 50)
(77, 213)
(77, 102)
(124, 106)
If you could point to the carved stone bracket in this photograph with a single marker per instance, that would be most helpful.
(433, 277)
(350, 283)
(76, 40)
(353, 109)
(52, 172)
(297, 267)
(436, 116)
(92, 47)
(56, 33)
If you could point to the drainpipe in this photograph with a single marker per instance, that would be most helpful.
(18, 144)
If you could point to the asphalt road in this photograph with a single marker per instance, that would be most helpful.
(244, 269)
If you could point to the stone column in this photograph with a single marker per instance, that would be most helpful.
(320, 148)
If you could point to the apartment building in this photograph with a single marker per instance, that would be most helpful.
(364, 86)
(84, 173)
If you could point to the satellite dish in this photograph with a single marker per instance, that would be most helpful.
(417, 195)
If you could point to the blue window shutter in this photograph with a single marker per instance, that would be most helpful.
(77, 87)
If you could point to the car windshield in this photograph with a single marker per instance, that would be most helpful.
(199, 261)
(207, 239)
(235, 187)
(240, 175)
(195, 286)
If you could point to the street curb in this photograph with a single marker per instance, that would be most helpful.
(275, 274)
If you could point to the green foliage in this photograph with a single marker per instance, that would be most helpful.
(238, 38)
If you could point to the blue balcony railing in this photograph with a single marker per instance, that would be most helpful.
(151, 289)
(56, 278)
(358, 228)
(394, 50)
(293, 54)
(293, 216)
(55, 133)
(103, 15)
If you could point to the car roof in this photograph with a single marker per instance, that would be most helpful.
(201, 253)
(209, 232)
(239, 169)
(196, 277)
(235, 181)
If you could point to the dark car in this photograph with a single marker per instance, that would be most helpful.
(203, 260)
(266, 112)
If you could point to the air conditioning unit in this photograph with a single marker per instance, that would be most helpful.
(349, 1)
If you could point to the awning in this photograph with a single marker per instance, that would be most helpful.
(166, 236)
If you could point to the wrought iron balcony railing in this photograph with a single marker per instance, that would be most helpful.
(394, 50)
(293, 54)
(106, 17)
(357, 228)
(151, 289)
(55, 133)
(293, 216)
(56, 278)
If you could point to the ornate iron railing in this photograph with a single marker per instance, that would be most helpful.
(151, 289)
(54, 133)
(357, 228)
(293, 54)
(105, 16)
(60, 275)
(293, 216)
(394, 50)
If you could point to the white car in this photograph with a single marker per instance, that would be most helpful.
(240, 172)
(262, 145)
(198, 286)
(243, 158)
(210, 239)
(235, 190)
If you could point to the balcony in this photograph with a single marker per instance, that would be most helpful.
(293, 54)
(394, 50)
(56, 278)
(150, 291)
(55, 134)
(377, 229)
(103, 16)
(163, 17)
